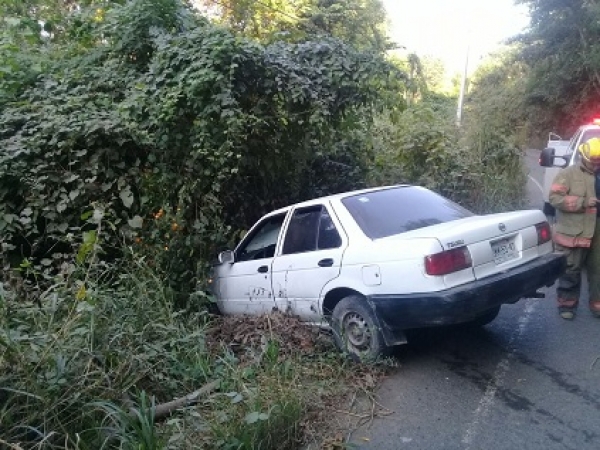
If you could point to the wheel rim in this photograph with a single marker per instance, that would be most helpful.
(357, 331)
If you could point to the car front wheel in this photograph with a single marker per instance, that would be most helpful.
(355, 329)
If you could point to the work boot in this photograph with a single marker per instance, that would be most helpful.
(568, 314)
(595, 308)
(567, 304)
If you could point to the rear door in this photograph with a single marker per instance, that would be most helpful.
(311, 256)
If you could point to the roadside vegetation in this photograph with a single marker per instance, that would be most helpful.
(97, 368)
(138, 138)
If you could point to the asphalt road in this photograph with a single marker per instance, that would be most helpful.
(528, 380)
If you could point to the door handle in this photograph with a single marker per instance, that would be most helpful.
(327, 262)
(263, 269)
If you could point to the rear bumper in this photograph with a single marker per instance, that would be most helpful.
(467, 302)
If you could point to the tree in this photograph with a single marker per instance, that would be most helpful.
(259, 19)
(360, 23)
(496, 103)
(435, 74)
(562, 47)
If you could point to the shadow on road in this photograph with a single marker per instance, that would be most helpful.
(432, 341)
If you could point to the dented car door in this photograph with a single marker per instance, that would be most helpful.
(310, 257)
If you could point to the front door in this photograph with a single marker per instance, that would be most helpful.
(244, 287)
(311, 257)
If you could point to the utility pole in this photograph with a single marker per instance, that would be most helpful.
(463, 85)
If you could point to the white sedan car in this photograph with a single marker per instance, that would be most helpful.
(376, 262)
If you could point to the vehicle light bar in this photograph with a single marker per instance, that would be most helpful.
(448, 261)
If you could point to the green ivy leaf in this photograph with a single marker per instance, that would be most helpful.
(126, 197)
(135, 222)
(87, 215)
(252, 417)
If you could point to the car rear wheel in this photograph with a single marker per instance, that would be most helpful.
(486, 318)
(355, 329)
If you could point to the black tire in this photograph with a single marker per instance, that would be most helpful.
(355, 329)
(213, 309)
(486, 318)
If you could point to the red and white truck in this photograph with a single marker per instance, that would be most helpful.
(561, 153)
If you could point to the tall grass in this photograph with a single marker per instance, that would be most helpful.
(85, 340)
(84, 365)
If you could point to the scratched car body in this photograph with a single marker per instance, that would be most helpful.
(377, 262)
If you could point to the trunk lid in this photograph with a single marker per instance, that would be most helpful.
(496, 242)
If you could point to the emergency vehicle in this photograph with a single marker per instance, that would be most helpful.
(561, 153)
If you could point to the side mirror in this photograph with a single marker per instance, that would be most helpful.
(548, 158)
(226, 257)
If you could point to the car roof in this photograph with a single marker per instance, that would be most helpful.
(339, 196)
(590, 126)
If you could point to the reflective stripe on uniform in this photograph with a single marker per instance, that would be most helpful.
(572, 241)
(559, 188)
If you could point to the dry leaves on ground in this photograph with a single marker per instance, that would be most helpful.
(242, 334)
(341, 402)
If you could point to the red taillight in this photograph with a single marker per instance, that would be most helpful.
(448, 261)
(544, 232)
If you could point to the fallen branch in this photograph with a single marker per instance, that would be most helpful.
(348, 413)
(11, 446)
(164, 409)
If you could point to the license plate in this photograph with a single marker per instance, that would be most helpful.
(504, 250)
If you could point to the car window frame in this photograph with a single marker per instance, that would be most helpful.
(575, 155)
(323, 208)
(255, 230)
(574, 140)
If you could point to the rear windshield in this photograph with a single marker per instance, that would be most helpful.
(397, 210)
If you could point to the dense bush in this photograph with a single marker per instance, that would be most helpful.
(175, 132)
(478, 166)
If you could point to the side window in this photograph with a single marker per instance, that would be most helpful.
(585, 136)
(261, 244)
(328, 234)
(589, 134)
(310, 229)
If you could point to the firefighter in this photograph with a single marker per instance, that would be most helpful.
(574, 194)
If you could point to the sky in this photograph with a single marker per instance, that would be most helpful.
(447, 29)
